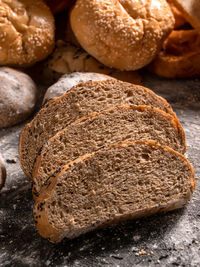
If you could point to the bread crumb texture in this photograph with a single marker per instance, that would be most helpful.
(125, 180)
(124, 34)
(26, 31)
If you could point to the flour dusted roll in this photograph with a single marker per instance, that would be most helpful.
(122, 34)
(26, 31)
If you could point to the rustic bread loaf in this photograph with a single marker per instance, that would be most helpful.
(179, 18)
(97, 130)
(123, 181)
(18, 96)
(68, 58)
(26, 30)
(122, 34)
(2, 173)
(67, 81)
(77, 102)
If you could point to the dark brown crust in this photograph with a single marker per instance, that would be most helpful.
(166, 107)
(55, 235)
(2, 174)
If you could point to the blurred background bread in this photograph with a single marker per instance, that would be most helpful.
(26, 31)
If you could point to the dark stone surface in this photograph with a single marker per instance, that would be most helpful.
(171, 239)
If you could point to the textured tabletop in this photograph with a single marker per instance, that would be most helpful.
(171, 239)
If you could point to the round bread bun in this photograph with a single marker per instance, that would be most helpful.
(18, 96)
(57, 6)
(123, 34)
(180, 56)
(26, 31)
(2, 173)
(67, 81)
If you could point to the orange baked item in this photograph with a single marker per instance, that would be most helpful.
(180, 56)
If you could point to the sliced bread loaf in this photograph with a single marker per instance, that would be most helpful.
(77, 102)
(122, 181)
(101, 129)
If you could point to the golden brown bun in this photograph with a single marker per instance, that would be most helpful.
(58, 5)
(179, 18)
(190, 10)
(180, 56)
(26, 31)
(124, 34)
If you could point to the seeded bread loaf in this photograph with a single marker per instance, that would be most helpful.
(123, 181)
(97, 130)
(122, 34)
(26, 31)
(77, 102)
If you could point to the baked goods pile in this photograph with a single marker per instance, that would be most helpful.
(92, 160)
(100, 150)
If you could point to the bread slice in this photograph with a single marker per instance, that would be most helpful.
(77, 102)
(122, 181)
(101, 129)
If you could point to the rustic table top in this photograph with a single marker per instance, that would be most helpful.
(171, 239)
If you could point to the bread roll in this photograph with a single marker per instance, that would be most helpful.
(179, 18)
(18, 96)
(124, 34)
(26, 31)
(179, 57)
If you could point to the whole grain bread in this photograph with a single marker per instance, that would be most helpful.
(97, 130)
(124, 181)
(77, 102)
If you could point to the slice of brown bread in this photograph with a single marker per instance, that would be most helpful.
(101, 129)
(125, 180)
(77, 102)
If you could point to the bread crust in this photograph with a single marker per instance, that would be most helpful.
(55, 234)
(122, 34)
(26, 30)
(179, 57)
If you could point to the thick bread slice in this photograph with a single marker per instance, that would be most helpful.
(77, 102)
(125, 180)
(101, 129)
